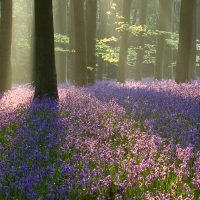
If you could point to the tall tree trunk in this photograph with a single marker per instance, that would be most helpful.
(80, 44)
(140, 52)
(121, 73)
(72, 43)
(61, 28)
(158, 70)
(185, 41)
(46, 80)
(5, 45)
(168, 53)
(112, 69)
(91, 11)
(198, 36)
(102, 34)
(192, 68)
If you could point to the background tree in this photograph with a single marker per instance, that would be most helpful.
(168, 53)
(185, 41)
(140, 51)
(104, 5)
(46, 79)
(5, 45)
(158, 70)
(60, 28)
(91, 12)
(121, 73)
(80, 44)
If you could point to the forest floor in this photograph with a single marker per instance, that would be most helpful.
(138, 140)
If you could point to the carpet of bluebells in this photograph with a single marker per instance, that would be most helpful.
(108, 141)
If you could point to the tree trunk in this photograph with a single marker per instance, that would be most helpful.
(46, 81)
(72, 43)
(168, 53)
(80, 44)
(185, 41)
(91, 11)
(192, 68)
(121, 73)
(102, 34)
(140, 52)
(158, 70)
(61, 28)
(5, 45)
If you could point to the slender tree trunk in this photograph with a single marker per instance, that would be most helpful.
(102, 34)
(80, 44)
(185, 41)
(46, 82)
(5, 45)
(158, 70)
(140, 52)
(198, 36)
(91, 11)
(61, 28)
(121, 73)
(112, 69)
(72, 43)
(168, 53)
(192, 68)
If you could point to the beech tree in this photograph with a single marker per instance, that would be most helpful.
(46, 79)
(91, 11)
(80, 75)
(140, 52)
(185, 41)
(121, 73)
(5, 45)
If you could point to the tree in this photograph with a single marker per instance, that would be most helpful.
(61, 28)
(80, 44)
(168, 54)
(185, 41)
(72, 43)
(91, 11)
(192, 67)
(140, 52)
(102, 35)
(5, 45)
(121, 73)
(158, 70)
(46, 79)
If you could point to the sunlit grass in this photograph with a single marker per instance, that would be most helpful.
(107, 141)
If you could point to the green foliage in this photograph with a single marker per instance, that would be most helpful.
(61, 38)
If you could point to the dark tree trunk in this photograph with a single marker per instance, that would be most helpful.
(158, 71)
(5, 45)
(46, 80)
(80, 44)
(121, 73)
(91, 11)
(168, 54)
(140, 53)
(185, 41)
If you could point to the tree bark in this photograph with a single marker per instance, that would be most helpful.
(91, 11)
(121, 73)
(168, 53)
(80, 44)
(102, 34)
(185, 41)
(140, 52)
(46, 79)
(158, 70)
(5, 45)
